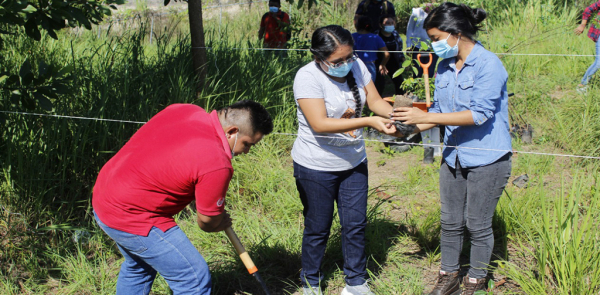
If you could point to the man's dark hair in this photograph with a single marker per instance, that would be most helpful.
(455, 19)
(252, 112)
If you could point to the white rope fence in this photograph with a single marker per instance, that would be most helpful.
(319, 136)
(399, 51)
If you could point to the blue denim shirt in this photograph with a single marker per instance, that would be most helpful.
(480, 87)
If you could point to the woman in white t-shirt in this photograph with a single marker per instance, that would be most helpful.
(330, 162)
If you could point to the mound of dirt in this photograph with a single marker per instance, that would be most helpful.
(404, 101)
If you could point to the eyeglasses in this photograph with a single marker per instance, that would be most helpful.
(342, 63)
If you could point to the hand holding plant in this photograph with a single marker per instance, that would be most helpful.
(382, 125)
(410, 115)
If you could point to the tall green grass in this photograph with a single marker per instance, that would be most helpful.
(49, 164)
(558, 253)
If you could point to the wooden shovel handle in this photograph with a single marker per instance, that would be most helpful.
(239, 248)
(426, 75)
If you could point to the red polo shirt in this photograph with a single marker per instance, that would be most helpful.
(180, 155)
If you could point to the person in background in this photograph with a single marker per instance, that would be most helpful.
(593, 33)
(415, 34)
(472, 102)
(374, 10)
(393, 42)
(274, 27)
(180, 155)
(365, 40)
(330, 161)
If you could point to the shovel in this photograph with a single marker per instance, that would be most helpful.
(239, 248)
(426, 76)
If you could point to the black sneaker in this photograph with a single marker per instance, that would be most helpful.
(447, 284)
(471, 285)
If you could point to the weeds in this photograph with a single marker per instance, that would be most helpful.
(49, 165)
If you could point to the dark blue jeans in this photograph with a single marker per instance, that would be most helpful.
(319, 190)
(469, 197)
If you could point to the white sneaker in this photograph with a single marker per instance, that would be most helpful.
(582, 90)
(358, 290)
(312, 291)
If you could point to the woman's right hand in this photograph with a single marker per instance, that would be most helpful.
(383, 125)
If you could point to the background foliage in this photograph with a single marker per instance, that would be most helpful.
(545, 241)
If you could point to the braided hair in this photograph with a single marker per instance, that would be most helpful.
(324, 42)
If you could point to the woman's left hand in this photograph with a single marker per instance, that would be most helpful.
(408, 115)
(383, 70)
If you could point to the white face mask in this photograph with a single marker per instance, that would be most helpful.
(234, 143)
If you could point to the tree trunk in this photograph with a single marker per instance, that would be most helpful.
(198, 50)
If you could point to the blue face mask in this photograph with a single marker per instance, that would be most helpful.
(388, 29)
(273, 9)
(443, 50)
(341, 71)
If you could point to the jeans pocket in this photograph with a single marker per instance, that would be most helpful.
(132, 243)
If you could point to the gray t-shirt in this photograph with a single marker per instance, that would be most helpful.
(329, 151)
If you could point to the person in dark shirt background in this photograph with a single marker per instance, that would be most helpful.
(393, 42)
(374, 10)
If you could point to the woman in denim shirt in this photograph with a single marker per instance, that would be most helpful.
(472, 102)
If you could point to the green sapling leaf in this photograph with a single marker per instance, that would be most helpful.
(398, 73)
(29, 9)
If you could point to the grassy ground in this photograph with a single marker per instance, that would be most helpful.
(545, 238)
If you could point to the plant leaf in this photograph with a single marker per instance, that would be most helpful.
(29, 9)
(43, 101)
(25, 69)
(32, 30)
(398, 73)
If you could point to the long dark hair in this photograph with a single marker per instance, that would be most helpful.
(456, 19)
(325, 41)
(364, 23)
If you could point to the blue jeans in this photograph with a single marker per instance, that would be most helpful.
(593, 68)
(469, 197)
(319, 190)
(372, 69)
(169, 253)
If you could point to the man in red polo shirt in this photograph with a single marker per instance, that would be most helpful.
(274, 27)
(182, 154)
